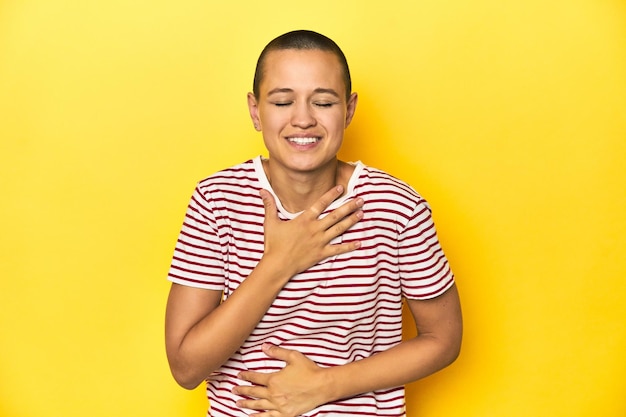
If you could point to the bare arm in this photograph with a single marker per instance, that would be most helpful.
(302, 385)
(199, 335)
(439, 326)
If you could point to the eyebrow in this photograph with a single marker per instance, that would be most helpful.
(316, 91)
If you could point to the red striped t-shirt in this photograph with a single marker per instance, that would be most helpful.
(343, 309)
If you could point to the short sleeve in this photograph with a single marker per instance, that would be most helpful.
(424, 269)
(198, 260)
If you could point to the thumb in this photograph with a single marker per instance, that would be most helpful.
(271, 212)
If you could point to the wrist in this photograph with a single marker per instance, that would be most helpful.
(276, 268)
(328, 387)
(344, 381)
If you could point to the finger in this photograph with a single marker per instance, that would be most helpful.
(342, 213)
(324, 201)
(339, 249)
(344, 224)
(252, 391)
(277, 352)
(257, 378)
(255, 404)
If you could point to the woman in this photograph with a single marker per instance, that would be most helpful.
(289, 273)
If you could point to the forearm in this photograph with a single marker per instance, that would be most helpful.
(407, 362)
(439, 325)
(214, 338)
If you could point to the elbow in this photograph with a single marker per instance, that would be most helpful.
(185, 377)
(188, 370)
(185, 380)
(446, 349)
(452, 353)
(184, 370)
(452, 349)
(188, 385)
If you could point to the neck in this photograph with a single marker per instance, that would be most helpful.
(297, 191)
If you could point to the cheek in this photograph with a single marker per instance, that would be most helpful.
(273, 121)
(336, 123)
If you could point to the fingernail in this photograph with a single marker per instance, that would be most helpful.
(359, 202)
(359, 214)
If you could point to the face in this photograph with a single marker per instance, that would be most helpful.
(302, 109)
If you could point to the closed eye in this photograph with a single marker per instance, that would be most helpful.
(324, 104)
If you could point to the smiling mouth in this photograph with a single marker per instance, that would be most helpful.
(303, 141)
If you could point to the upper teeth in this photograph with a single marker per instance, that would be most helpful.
(303, 141)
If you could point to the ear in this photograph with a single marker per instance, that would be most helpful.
(253, 108)
(351, 108)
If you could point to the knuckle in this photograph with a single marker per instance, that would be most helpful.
(341, 227)
(293, 354)
(334, 216)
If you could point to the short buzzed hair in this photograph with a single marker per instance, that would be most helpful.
(302, 39)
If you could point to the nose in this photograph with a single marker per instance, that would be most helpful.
(302, 116)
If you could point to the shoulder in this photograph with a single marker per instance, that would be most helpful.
(236, 185)
(378, 183)
(236, 174)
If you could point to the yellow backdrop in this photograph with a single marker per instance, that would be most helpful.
(508, 116)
